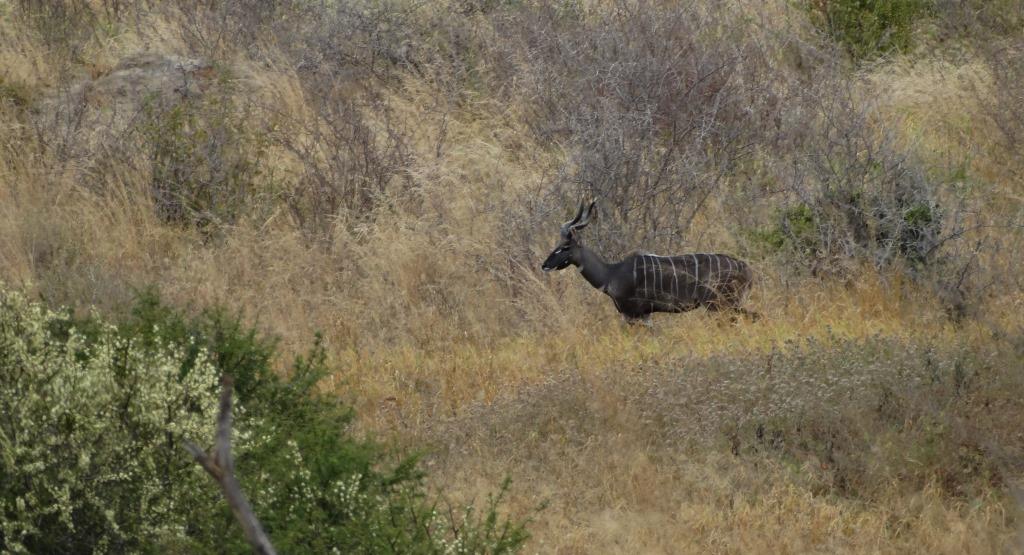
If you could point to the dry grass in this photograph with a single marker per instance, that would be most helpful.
(616, 496)
(633, 455)
(440, 337)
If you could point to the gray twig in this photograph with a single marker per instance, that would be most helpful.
(219, 464)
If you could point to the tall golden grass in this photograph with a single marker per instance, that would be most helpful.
(427, 321)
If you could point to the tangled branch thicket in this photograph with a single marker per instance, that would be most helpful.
(685, 121)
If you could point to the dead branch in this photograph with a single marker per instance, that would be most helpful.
(219, 464)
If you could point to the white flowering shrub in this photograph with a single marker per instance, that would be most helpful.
(90, 459)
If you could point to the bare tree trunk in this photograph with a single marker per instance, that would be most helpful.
(219, 464)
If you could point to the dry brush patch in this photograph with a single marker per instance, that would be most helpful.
(836, 445)
(391, 176)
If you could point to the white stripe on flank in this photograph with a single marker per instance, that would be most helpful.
(664, 287)
(661, 279)
(653, 278)
(650, 275)
(653, 292)
(675, 280)
(634, 271)
(657, 277)
(718, 276)
(696, 275)
(644, 272)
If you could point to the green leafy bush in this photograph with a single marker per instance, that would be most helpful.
(92, 418)
(860, 197)
(794, 229)
(853, 225)
(867, 28)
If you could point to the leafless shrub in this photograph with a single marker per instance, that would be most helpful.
(203, 156)
(352, 152)
(67, 26)
(661, 107)
(346, 40)
(350, 167)
(979, 20)
(213, 29)
(854, 195)
(62, 24)
(369, 39)
(1004, 102)
(652, 108)
(60, 128)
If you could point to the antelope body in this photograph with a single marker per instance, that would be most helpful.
(645, 283)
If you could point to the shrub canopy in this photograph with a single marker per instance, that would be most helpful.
(91, 421)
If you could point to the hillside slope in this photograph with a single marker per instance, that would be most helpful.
(391, 175)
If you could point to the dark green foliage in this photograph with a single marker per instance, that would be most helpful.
(794, 230)
(915, 233)
(859, 198)
(235, 349)
(880, 230)
(314, 487)
(867, 28)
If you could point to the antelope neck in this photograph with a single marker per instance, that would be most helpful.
(594, 270)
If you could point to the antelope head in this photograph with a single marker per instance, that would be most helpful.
(567, 249)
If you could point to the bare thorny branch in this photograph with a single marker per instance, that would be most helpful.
(219, 464)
